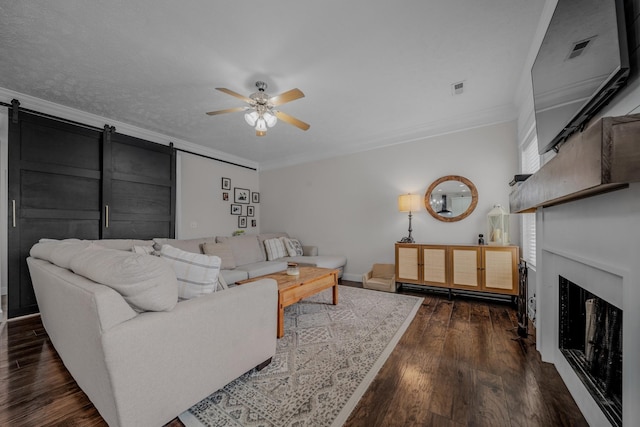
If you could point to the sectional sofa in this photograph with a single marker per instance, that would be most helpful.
(140, 355)
(245, 257)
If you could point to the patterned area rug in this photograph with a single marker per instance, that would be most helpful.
(323, 365)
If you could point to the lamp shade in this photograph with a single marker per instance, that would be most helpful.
(270, 119)
(251, 118)
(408, 202)
(261, 125)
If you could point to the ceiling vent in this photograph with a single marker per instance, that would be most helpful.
(580, 47)
(457, 88)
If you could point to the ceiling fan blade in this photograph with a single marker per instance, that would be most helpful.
(288, 96)
(236, 94)
(291, 120)
(228, 110)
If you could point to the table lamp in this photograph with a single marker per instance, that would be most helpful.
(408, 203)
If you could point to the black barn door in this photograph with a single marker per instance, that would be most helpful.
(54, 192)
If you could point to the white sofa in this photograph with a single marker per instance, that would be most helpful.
(145, 368)
(249, 258)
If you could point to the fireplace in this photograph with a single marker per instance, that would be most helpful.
(590, 338)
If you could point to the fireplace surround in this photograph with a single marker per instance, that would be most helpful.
(593, 242)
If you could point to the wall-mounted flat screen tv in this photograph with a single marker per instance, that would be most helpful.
(582, 62)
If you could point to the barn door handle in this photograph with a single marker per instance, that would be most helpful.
(13, 213)
(106, 216)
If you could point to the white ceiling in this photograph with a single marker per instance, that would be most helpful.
(374, 72)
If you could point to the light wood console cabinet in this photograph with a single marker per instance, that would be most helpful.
(475, 268)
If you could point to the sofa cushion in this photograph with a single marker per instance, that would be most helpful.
(65, 251)
(222, 250)
(197, 274)
(322, 261)
(264, 267)
(275, 248)
(233, 276)
(146, 282)
(45, 247)
(246, 249)
(189, 245)
(294, 247)
(145, 250)
(122, 244)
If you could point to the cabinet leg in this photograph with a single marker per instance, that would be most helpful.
(449, 294)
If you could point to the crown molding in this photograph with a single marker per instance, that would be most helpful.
(482, 118)
(64, 112)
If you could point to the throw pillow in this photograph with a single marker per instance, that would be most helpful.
(65, 251)
(222, 250)
(147, 283)
(275, 248)
(294, 247)
(197, 274)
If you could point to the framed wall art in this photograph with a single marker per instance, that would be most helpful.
(225, 196)
(241, 195)
(242, 222)
(236, 209)
(250, 210)
(255, 197)
(254, 223)
(226, 183)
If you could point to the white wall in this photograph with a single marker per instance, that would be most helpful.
(201, 209)
(348, 205)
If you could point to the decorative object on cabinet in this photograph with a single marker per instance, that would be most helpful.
(451, 198)
(408, 203)
(236, 209)
(481, 239)
(242, 222)
(255, 197)
(241, 195)
(225, 196)
(487, 269)
(226, 183)
(498, 222)
(250, 210)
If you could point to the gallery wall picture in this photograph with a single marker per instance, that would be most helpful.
(226, 183)
(250, 210)
(241, 195)
(225, 196)
(242, 222)
(254, 223)
(255, 197)
(236, 209)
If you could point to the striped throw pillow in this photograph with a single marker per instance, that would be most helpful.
(275, 248)
(197, 274)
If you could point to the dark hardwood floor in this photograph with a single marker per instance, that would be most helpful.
(456, 365)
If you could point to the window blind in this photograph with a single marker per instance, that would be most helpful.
(529, 163)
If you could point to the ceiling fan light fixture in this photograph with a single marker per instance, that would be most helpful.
(270, 119)
(261, 125)
(251, 118)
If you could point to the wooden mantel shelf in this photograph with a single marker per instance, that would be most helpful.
(604, 157)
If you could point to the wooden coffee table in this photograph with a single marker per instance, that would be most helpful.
(292, 289)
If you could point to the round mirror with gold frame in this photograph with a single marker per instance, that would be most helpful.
(451, 198)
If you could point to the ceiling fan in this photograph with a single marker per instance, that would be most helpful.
(261, 112)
